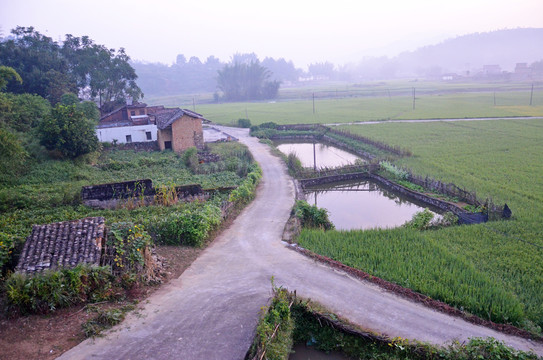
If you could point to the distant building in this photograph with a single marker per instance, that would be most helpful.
(173, 128)
(492, 70)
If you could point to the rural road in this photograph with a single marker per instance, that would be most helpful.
(211, 311)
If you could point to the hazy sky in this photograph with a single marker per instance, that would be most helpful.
(303, 31)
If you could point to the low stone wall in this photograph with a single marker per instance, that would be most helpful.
(120, 190)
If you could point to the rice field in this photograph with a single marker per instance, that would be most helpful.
(344, 103)
(494, 270)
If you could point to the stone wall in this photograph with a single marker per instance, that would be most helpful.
(120, 190)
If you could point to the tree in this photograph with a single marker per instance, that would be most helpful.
(242, 81)
(6, 74)
(67, 130)
(50, 69)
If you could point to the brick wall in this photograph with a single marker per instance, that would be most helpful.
(187, 132)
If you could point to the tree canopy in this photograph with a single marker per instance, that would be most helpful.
(68, 131)
(77, 65)
(246, 81)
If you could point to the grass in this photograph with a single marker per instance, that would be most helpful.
(498, 159)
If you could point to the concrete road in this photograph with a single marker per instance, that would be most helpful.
(211, 311)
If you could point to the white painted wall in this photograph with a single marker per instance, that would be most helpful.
(138, 133)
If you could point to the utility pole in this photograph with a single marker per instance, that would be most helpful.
(193, 105)
(494, 98)
(313, 103)
(314, 158)
(532, 94)
(413, 98)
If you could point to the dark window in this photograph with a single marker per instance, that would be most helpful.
(133, 113)
(167, 145)
(149, 136)
(142, 112)
(128, 138)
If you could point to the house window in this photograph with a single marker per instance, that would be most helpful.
(128, 138)
(142, 112)
(168, 145)
(133, 113)
(149, 136)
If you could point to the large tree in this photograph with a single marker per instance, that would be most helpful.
(246, 81)
(77, 65)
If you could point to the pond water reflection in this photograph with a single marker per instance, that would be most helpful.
(362, 205)
(326, 155)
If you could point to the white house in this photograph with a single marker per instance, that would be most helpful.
(126, 134)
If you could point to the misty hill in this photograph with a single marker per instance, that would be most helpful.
(465, 53)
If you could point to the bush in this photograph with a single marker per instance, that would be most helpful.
(422, 220)
(130, 242)
(294, 164)
(68, 131)
(6, 248)
(246, 191)
(190, 159)
(188, 227)
(311, 216)
(244, 123)
(46, 292)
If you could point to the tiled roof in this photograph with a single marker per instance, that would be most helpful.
(63, 244)
(165, 119)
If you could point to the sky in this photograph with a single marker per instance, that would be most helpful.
(305, 32)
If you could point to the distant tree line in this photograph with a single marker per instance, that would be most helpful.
(193, 75)
(76, 65)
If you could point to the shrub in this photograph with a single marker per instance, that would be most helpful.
(130, 242)
(244, 123)
(246, 191)
(397, 173)
(294, 164)
(6, 248)
(422, 220)
(312, 216)
(46, 292)
(190, 159)
(188, 227)
(68, 131)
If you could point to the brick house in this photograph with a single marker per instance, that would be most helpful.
(179, 129)
(172, 128)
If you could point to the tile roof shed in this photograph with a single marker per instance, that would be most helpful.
(63, 245)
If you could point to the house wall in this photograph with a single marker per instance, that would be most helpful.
(187, 132)
(164, 135)
(138, 133)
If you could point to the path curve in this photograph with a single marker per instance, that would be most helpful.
(211, 311)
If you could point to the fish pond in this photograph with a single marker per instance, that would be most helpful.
(363, 205)
(324, 154)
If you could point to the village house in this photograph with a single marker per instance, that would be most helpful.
(172, 128)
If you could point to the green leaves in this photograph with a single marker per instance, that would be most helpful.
(68, 131)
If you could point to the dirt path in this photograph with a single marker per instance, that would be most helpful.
(211, 311)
